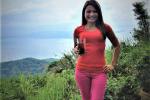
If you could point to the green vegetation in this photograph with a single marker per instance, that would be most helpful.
(60, 85)
(25, 66)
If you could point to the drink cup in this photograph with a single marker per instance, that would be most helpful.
(81, 47)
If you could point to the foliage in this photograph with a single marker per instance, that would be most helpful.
(21, 87)
(144, 69)
(48, 87)
(66, 62)
(10, 90)
(25, 66)
(122, 84)
(142, 33)
(122, 88)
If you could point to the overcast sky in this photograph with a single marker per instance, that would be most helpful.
(30, 27)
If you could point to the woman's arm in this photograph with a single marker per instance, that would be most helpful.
(116, 47)
(116, 51)
(115, 56)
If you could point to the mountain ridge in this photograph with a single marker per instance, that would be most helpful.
(24, 66)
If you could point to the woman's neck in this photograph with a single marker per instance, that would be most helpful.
(90, 25)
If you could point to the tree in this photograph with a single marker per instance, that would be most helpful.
(142, 33)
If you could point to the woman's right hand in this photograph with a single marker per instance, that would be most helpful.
(76, 50)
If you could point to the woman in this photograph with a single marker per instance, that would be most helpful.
(89, 44)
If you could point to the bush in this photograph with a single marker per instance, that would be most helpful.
(122, 88)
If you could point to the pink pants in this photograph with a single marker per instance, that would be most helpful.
(92, 86)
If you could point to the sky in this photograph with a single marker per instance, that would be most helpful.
(44, 28)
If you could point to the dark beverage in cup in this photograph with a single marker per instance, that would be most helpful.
(81, 47)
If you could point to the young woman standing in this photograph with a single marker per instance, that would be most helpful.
(89, 44)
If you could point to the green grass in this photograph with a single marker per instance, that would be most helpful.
(54, 87)
(49, 87)
(122, 84)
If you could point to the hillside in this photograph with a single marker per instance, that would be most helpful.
(25, 66)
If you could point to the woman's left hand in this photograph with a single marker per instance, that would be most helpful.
(108, 68)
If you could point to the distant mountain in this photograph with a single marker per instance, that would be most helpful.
(25, 66)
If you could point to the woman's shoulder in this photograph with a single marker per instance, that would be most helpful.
(107, 27)
(79, 29)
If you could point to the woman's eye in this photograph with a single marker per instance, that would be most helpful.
(88, 11)
(91, 11)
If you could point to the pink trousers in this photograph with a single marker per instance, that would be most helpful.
(92, 86)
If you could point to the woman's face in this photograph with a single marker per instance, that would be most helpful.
(91, 14)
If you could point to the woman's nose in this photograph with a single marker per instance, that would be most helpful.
(92, 13)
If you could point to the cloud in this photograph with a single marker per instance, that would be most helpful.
(30, 16)
(43, 11)
(119, 14)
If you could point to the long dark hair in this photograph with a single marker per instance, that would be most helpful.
(99, 22)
